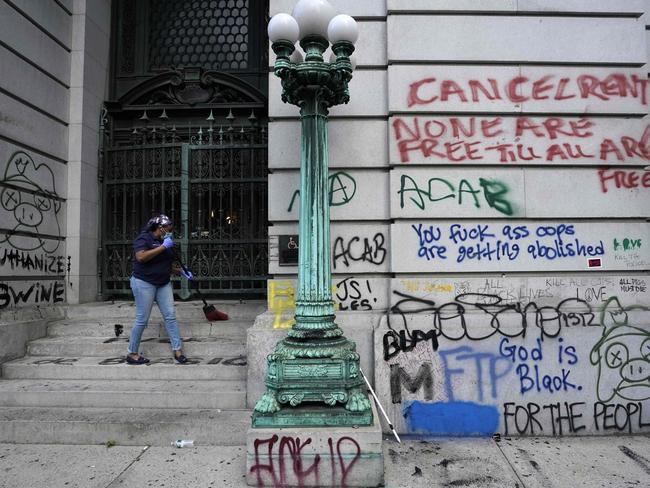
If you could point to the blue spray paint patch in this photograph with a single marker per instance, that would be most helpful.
(451, 418)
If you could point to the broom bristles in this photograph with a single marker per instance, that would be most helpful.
(214, 315)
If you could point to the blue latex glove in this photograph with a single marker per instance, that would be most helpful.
(187, 274)
(168, 242)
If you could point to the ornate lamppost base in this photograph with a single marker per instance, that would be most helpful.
(312, 416)
(300, 377)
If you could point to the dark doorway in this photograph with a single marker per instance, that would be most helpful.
(185, 134)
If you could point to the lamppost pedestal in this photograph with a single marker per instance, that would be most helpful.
(303, 384)
(314, 456)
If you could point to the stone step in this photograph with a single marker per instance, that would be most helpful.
(122, 426)
(185, 311)
(74, 386)
(106, 328)
(228, 367)
(204, 347)
(123, 393)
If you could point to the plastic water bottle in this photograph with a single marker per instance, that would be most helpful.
(183, 443)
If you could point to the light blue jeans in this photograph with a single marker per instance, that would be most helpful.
(145, 294)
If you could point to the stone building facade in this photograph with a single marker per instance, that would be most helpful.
(489, 195)
(489, 188)
(55, 59)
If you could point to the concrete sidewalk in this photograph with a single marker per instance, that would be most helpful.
(613, 462)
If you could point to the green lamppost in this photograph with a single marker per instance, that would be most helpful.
(313, 376)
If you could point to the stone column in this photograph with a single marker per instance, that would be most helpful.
(88, 90)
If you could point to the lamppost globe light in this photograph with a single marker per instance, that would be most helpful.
(343, 28)
(313, 17)
(283, 27)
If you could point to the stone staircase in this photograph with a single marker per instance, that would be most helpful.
(74, 386)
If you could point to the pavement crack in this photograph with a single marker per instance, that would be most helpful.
(523, 485)
(135, 460)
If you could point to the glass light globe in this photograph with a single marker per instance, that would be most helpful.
(343, 28)
(296, 56)
(313, 17)
(283, 27)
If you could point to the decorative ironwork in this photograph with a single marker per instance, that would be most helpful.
(210, 179)
(191, 87)
(150, 37)
(127, 36)
(212, 34)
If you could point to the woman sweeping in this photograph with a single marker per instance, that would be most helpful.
(150, 282)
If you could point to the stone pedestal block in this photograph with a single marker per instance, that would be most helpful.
(262, 339)
(341, 456)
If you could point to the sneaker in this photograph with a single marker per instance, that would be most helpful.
(139, 360)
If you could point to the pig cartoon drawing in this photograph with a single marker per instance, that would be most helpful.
(623, 353)
(29, 196)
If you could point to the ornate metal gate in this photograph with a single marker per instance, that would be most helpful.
(200, 156)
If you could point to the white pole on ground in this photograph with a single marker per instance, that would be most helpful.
(380, 407)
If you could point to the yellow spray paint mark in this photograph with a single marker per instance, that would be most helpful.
(418, 285)
(281, 299)
(439, 287)
(334, 290)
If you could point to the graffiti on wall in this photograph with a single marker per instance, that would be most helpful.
(622, 355)
(519, 89)
(341, 189)
(467, 314)
(429, 245)
(238, 361)
(419, 192)
(480, 364)
(629, 250)
(479, 193)
(14, 294)
(24, 262)
(281, 303)
(618, 179)
(354, 294)
(568, 357)
(515, 140)
(30, 198)
(476, 242)
(347, 251)
(349, 293)
(30, 234)
(290, 461)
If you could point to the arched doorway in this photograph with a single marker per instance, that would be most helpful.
(187, 141)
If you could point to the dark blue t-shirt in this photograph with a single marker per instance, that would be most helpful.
(158, 269)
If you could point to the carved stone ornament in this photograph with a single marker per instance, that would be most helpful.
(191, 86)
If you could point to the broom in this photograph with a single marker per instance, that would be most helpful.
(210, 312)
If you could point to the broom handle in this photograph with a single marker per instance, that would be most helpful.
(390, 425)
(178, 258)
